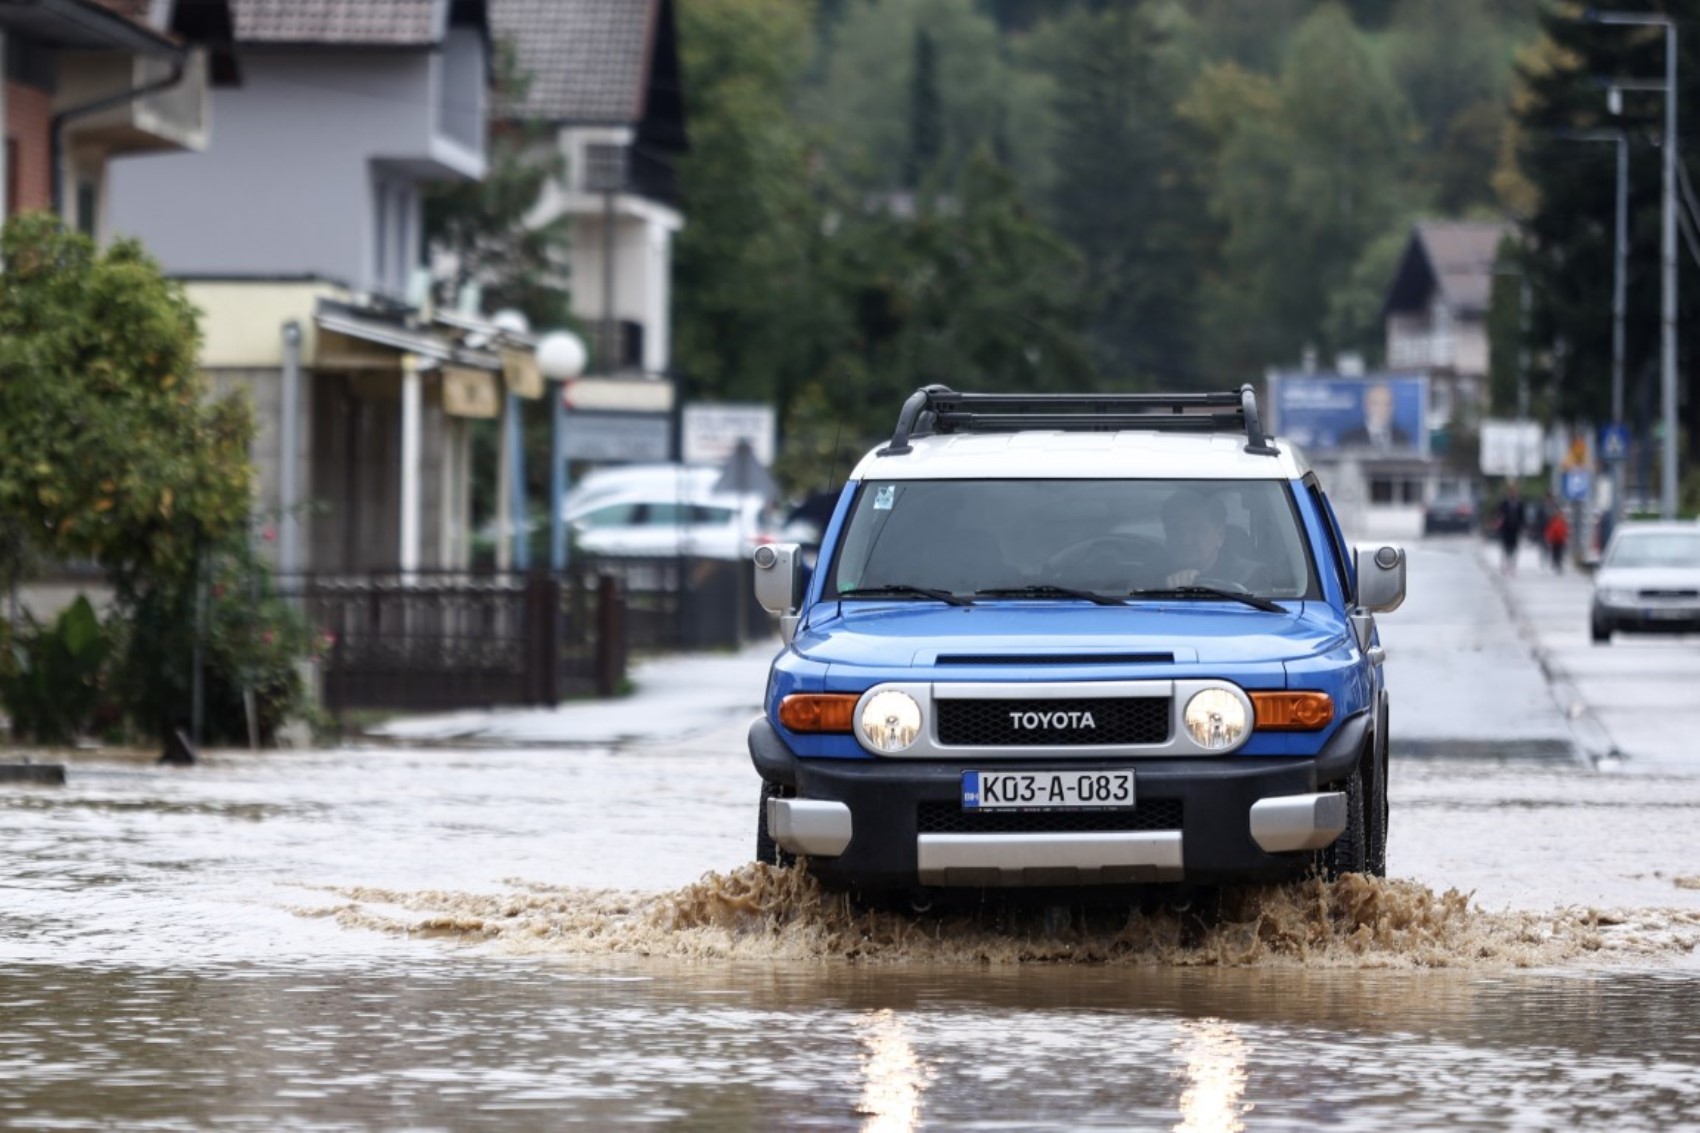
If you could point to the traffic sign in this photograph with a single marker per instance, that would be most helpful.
(1614, 442)
(1576, 482)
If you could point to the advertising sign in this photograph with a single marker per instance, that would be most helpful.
(710, 433)
(1379, 414)
(617, 438)
(1512, 448)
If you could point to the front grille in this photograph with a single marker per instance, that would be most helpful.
(1017, 723)
(950, 818)
(1670, 593)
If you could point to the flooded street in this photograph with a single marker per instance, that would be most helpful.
(478, 935)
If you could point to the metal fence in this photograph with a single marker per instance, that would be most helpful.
(460, 639)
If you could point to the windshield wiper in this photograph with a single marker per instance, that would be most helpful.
(902, 589)
(1212, 593)
(1050, 592)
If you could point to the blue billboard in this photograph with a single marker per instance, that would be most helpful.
(1374, 415)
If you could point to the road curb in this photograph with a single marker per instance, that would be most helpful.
(1590, 741)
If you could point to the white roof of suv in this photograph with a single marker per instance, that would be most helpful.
(1130, 454)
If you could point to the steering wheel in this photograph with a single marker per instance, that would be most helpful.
(1100, 553)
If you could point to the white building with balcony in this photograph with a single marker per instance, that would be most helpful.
(1436, 313)
(605, 75)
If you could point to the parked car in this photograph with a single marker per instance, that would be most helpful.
(1648, 581)
(666, 519)
(1452, 512)
(1038, 654)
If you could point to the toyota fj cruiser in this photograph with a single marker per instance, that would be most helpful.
(1076, 640)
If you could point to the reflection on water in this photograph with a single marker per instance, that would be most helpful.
(893, 1076)
(1215, 1074)
(471, 1044)
(156, 972)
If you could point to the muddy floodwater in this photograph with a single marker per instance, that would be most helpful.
(429, 939)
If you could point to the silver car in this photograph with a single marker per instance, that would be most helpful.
(1648, 581)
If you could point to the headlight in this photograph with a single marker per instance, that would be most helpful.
(1215, 719)
(890, 721)
(1616, 597)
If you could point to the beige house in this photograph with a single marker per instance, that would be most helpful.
(1436, 313)
(299, 234)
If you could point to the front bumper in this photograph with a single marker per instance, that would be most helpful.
(886, 824)
(1648, 618)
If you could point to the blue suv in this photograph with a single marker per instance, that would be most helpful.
(1076, 640)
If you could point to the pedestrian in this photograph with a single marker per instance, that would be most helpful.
(1510, 526)
(1557, 536)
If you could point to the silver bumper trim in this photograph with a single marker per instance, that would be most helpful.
(809, 826)
(1298, 822)
(1109, 858)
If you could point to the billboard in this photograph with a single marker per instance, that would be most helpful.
(1379, 414)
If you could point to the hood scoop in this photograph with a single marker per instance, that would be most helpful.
(1056, 658)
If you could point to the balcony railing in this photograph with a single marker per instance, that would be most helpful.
(1422, 351)
(629, 169)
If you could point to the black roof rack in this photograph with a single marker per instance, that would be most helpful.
(939, 409)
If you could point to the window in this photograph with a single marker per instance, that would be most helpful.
(88, 205)
(381, 230)
(1107, 536)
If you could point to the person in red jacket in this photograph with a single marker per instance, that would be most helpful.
(1557, 534)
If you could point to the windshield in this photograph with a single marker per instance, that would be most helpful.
(1109, 537)
(1656, 549)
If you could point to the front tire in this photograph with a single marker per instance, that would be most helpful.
(767, 850)
(1350, 851)
(1600, 630)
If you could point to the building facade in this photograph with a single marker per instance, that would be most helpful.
(299, 233)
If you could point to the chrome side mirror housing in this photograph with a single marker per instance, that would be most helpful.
(1381, 577)
(779, 583)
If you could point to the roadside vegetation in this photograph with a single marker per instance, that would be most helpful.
(113, 456)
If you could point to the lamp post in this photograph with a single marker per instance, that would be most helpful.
(1667, 251)
(561, 358)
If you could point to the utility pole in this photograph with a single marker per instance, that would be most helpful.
(1667, 252)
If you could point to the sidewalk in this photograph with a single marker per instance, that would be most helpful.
(672, 697)
(1550, 610)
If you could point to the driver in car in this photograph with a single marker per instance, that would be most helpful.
(1195, 527)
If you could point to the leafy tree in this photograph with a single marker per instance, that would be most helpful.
(1307, 175)
(487, 232)
(862, 107)
(1571, 195)
(926, 125)
(755, 314)
(1449, 58)
(108, 448)
(110, 451)
(1128, 192)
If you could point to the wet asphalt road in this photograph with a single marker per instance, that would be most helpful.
(419, 938)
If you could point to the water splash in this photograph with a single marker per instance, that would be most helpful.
(759, 912)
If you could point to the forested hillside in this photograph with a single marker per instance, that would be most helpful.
(1056, 194)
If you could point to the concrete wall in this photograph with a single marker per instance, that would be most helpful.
(287, 185)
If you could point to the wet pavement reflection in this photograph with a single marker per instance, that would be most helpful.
(471, 1043)
(402, 939)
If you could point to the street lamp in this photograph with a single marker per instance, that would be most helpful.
(561, 358)
(1667, 249)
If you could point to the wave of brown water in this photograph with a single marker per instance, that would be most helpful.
(762, 913)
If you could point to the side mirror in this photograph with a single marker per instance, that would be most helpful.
(779, 583)
(1381, 577)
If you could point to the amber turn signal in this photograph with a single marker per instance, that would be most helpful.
(818, 711)
(1292, 711)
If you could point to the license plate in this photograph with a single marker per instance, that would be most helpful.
(1669, 614)
(1047, 790)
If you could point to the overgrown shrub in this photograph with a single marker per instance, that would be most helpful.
(253, 641)
(54, 676)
